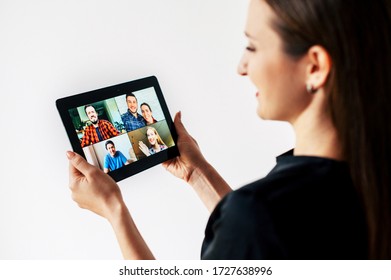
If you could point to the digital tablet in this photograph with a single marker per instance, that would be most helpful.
(122, 129)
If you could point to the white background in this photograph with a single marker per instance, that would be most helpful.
(56, 48)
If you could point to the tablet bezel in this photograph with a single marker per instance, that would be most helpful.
(65, 104)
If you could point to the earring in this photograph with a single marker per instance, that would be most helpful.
(310, 88)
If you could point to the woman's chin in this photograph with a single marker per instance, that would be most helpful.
(261, 114)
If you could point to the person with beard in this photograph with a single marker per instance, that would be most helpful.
(99, 130)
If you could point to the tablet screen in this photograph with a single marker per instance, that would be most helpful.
(123, 129)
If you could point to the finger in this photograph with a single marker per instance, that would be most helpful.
(167, 163)
(79, 165)
(195, 141)
(180, 128)
(73, 172)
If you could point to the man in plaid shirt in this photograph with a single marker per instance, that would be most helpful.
(99, 130)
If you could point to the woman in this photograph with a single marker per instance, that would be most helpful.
(147, 114)
(319, 66)
(154, 140)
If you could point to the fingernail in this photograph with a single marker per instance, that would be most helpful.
(70, 154)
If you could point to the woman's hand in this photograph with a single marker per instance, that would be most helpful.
(190, 154)
(144, 148)
(91, 188)
(94, 190)
(192, 167)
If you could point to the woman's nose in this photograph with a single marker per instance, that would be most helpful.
(242, 66)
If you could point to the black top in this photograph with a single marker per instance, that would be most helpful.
(305, 208)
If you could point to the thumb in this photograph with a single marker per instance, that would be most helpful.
(78, 165)
(180, 128)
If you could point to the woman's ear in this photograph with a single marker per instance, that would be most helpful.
(318, 68)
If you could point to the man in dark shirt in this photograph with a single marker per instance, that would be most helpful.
(99, 130)
(132, 119)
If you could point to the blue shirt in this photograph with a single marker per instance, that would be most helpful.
(131, 122)
(115, 162)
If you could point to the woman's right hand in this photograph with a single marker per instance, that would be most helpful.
(190, 154)
(144, 148)
(93, 189)
(192, 167)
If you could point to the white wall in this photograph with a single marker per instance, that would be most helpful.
(56, 48)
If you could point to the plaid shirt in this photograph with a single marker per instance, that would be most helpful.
(107, 130)
(131, 122)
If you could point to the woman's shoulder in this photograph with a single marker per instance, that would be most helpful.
(302, 176)
(288, 212)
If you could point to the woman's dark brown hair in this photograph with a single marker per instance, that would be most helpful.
(357, 36)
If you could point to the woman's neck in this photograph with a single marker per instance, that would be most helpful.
(156, 147)
(315, 132)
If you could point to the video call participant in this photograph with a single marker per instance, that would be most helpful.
(132, 119)
(114, 159)
(154, 140)
(147, 114)
(99, 130)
